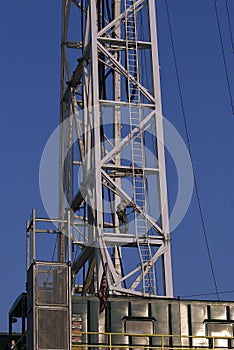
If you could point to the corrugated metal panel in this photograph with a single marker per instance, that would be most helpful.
(139, 309)
(184, 323)
(231, 308)
(218, 311)
(175, 322)
(172, 316)
(118, 310)
(198, 327)
(159, 311)
(93, 319)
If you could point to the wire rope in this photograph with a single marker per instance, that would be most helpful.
(52, 259)
(206, 294)
(229, 25)
(55, 245)
(190, 151)
(224, 56)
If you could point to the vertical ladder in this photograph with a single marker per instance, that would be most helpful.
(137, 145)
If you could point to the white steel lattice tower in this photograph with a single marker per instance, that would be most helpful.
(112, 163)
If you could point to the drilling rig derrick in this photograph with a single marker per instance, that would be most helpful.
(112, 149)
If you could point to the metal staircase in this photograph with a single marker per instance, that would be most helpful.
(137, 149)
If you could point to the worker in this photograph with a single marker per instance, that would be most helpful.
(123, 218)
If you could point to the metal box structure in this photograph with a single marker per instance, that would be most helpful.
(48, 311)
(133, 323)
(172, 323)
(48, 297)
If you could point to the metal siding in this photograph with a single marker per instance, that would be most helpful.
(159, 312)
(51, 285)
(101, 323)
(140, 308)
(184, 330)
(52, 332)
(48, 306)
(119, 309)
(232, 318)
(198, 315)
(176, 321)
(93, 320)
(218, 312)
(231, 312)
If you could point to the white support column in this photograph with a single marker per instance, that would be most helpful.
(97, 190)
(161, 154)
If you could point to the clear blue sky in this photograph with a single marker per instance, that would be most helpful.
(30, 74)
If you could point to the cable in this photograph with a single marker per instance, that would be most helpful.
(230, 26)
(190, 152)
(52, 259)
(55, 245)
(206, 294)
(223, 54)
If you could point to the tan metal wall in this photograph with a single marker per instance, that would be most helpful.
(171, 316)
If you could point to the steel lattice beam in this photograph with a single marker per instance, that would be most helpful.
(111, 48)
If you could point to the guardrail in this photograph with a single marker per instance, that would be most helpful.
(97, 340)
(21, 343)
(118, 341)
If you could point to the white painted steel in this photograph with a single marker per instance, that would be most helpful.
(113, 47)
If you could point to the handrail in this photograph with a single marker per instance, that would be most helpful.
(166, 341)
(162, 341)
(21, 341)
